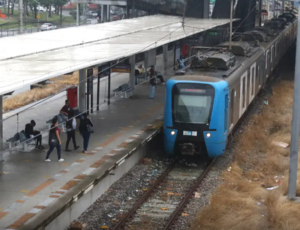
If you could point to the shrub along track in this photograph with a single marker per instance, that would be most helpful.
(252, 193)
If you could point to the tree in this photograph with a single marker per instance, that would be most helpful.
(60, 4)
(33, 6)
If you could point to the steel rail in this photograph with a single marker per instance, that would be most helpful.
(188, 195)
(144, 197)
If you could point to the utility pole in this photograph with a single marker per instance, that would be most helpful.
(21, 16)
(77, 15)
(295, 124)
(231, 13)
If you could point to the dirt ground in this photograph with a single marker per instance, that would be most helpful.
(252, 194)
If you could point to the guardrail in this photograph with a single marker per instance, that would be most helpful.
(14, 32)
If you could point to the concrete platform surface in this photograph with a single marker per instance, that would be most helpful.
(31, 188)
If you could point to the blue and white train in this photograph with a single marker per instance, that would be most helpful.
(203, 108)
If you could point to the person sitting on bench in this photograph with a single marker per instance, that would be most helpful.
(30, 133)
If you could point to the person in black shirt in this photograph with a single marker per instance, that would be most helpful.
(65, 109)
(71, 127)
(83, 129)
(30, 133)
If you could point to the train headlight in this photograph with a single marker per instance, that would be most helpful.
(172, 133)
(208, 135)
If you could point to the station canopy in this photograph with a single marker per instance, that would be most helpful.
(31, 58)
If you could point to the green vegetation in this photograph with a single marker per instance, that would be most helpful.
(12, 22)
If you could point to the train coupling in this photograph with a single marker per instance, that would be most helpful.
(188, 149)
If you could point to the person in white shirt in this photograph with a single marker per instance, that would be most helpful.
(71, 127)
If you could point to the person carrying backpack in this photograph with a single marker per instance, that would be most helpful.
(86, 127)
(71, 127)
(54, 140)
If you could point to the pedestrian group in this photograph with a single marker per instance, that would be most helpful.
(86, 127)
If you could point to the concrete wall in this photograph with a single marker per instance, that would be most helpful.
(73, 212)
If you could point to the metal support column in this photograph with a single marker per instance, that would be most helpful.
(108, 13)
(206, 9)
(127, 12)
(102, 13)
(89, 89)
(146, 62)
(1, 128)
(82, 86)
(133, 9)
(259, 11)
(295, 124)
(98, 87)
(283, 8)
(108, 92)
(165, 59)
(77, 15)
(132, 71)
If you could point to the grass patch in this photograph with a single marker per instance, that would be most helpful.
(58, 85)
(243, 200)
(12, 22)
(25, 98)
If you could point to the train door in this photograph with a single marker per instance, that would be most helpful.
(267, 64)
(232, 112)
(272, 59)
(243, 94)
(252, 82)
(226, 115)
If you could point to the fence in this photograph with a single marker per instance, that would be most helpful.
(15, 31)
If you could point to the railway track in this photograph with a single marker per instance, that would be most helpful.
(161, 205)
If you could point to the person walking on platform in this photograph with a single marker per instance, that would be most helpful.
(86, 127)
(31, 133)
(54, 140)
(156, 75)
(71, 127)
(65, 110)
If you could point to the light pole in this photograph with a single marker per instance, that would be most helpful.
(295, 124)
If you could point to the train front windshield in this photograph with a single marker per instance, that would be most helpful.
(192, 103)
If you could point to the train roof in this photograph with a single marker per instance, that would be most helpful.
(197, 77)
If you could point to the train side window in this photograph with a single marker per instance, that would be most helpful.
(232, 106)
(244, 96)
(243, 93)
(267, 52)
(226, 114)
(253, 81)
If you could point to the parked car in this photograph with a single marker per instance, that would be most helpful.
(48, 26)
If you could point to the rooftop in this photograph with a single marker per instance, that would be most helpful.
(28, 59)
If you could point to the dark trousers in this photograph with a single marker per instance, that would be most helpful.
(160, 77)
(38, 137)
(51, 149)
(86, 137)
(71, 135)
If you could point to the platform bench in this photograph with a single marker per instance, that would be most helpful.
(123, 91)
(19, 138)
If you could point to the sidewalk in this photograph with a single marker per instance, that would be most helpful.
(29, 184)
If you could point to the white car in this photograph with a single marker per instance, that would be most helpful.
(48, 26)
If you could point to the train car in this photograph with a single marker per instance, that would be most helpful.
(203, 107)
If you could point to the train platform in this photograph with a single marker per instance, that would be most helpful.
(35, 192)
